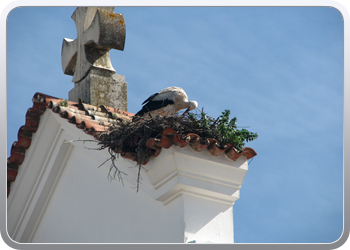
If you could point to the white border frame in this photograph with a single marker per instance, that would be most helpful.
(8, 5)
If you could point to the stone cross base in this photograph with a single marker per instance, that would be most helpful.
(101, 88)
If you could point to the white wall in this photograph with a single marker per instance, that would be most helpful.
(207, 221)
(86, 207)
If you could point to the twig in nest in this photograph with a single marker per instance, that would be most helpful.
(81, 140)
(117, 172)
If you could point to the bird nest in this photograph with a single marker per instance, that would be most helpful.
(130, 137)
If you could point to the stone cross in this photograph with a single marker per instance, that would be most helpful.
(87, 57)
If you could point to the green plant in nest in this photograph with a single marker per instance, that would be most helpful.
(223, 129)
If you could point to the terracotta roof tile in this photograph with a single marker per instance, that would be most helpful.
(170, 137)
(95, 120)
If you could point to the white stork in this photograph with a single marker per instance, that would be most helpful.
(167, 102)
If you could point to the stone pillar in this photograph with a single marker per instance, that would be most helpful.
(99, 88)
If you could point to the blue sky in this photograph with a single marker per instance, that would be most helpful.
(278, 69)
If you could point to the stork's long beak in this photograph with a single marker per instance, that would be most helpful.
(186, 112)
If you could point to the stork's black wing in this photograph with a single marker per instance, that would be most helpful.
(150, 98)
(153, 105)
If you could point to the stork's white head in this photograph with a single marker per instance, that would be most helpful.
(193, 105)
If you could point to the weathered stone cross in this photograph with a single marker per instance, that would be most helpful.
(99, 30)
(87, 58)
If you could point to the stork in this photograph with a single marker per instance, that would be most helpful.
(167, 102)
